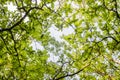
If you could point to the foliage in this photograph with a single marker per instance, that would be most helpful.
(91, 52)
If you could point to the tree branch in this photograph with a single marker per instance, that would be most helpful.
(109, 37)
(70, 75)
(15, 48)
(115, 11)
(19, 22)
(6, 44)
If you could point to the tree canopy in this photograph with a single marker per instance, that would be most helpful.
(90, 52)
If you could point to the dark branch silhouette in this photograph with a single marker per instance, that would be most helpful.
(70, 75)
(19, 22)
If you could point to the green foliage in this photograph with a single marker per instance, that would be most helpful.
(91, 52)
